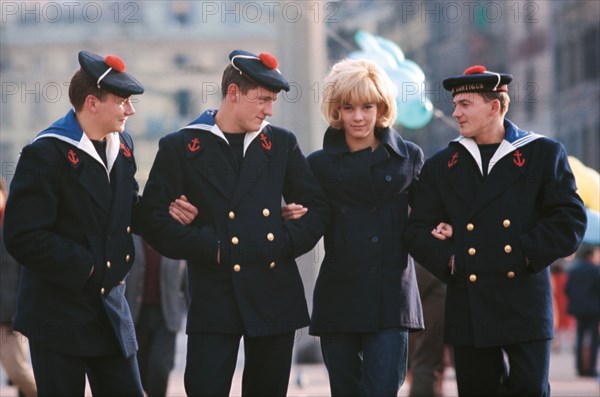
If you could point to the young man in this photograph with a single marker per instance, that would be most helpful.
(235, 167)
(503, 203)
(68, 222)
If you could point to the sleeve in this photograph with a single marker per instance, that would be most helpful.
(197, 241)
(426, 212)
(30, 223)
(559, 231)
(302, 187)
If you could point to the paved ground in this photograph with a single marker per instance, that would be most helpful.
(311, 379)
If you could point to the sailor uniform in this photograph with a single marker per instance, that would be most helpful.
(68, 214)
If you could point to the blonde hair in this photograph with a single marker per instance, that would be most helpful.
(358, 80)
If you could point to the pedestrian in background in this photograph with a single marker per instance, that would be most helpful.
(507, 202)
(156, 290)
(426, 349)
(583, 291)
(13, 350)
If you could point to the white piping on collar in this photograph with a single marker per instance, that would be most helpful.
(504, 149)
(113, 144)
(215, 130)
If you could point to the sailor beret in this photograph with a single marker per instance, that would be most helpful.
(109, 73)
(260, 69)
(478, 79)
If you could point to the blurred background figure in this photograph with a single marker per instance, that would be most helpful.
(157, 295)
(426, 351)
(563, 321)
(13, 351)
(583, 291)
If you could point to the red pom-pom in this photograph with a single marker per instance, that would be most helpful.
(115, 62)
(268, 60)
(477, 69)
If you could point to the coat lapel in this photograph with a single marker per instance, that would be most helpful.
(505, 173)
(462, 174)
(207, 158)
(123, 173)
(257, 156)
(90, 175)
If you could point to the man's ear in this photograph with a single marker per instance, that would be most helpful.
(90, 103)
(495, 107)
(233, 92)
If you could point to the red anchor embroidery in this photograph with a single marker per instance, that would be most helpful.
(72, 156)
(194, 145)
(453, 160)
(126, 151)
(518, 159)
(264, 142)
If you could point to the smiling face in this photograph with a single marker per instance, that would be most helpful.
(112, 113)
(358, 121)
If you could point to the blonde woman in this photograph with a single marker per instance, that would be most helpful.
(366, 298)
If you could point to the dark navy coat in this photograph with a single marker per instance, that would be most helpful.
(256, 288)
(62, 218)
(367, 280)
(583, 289)
(508, 228)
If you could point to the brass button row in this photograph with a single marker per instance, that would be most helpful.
(265, 213)
(472, 251)
(505, 223)
(237, 268)
(473, 277)
(236, 241)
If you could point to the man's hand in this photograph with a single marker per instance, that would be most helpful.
(183, 211)
(442, 231)
(293, 211)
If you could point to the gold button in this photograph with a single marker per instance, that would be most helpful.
(128, 229)
(127, 258)
(472, 251)
(470, 227)
(270, 237)
(101, 291)
(237, 268)
(108, 264)
(506, 223)
(235, 240)
(507, 249)
(272, 265)
(472, 278)
(231, 214)
(266, 212)
(510, 274)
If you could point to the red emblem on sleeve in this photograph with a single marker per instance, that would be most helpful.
(194, 145)
(453, 160)
(518, 159)
(126, 151)
(72, 156)
(264, 142)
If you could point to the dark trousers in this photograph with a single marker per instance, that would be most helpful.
(484, 371)
(63, 375)
(211, 360)
(586, 345)
(366, 364)
(156, 354)
(426, 350)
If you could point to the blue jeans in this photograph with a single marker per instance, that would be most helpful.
(366, 364)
